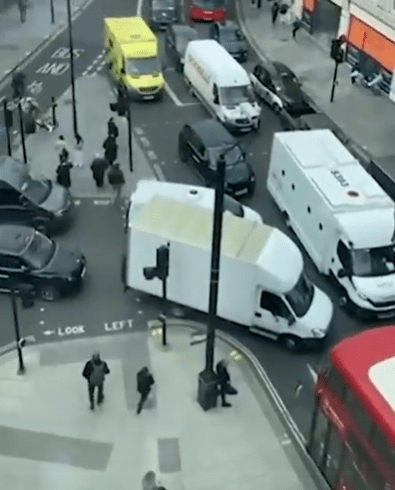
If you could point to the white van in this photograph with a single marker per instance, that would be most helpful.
(222, 85)
(262, 284)
(203, 197)
(341, 215)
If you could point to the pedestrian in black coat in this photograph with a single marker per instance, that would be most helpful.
(63, 174)
(99, 167)
(110, 149)
(144, 382)
(275, 8)
(94, 372)
(295, 27)
(224, 381)
(112, 128)
(116, 179)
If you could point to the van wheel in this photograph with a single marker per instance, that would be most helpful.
(258, 125)
(291, 343)
(49, 292)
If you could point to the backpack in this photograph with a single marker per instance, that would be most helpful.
(97, 376)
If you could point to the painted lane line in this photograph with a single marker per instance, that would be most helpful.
(151, 155)
(101, 202)
(313, 373)
(49, 332)
(138, 130)
(100, 56)
(158, 172)
(145, 141)
(173, 96)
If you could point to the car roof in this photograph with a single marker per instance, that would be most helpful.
(281, 67)
(228, 24)
(182, 29)
(11, 170)
(14, 238)
(212, 133)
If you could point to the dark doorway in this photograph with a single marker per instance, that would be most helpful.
(326, 21)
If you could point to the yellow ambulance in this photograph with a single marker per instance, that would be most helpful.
(133, 57)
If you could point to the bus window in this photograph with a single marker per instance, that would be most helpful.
(382, 447)
(336, 383)
(351, 478)
(334, 458)
(359, 415)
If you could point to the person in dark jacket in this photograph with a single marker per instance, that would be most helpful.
(144, 382)
(94, 372)
(275, 8)
(116, 179)
(99, 167)
(63, 174)
(110, 149)
(223, 380)
(112, 128)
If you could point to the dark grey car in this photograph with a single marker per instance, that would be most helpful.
(177, 39)
(162, 13)
(229, 35)
(41, 203)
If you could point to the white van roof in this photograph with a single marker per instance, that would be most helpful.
(217, 60)
(335, 173)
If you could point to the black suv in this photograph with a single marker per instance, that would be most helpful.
(43, 204)
(177, 39)
(27, 257)
(229, 35)
(202, 143)
(162, 13)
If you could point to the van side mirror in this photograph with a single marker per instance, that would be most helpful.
(342, 273)
(123, 71)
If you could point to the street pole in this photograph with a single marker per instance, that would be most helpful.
(163, 316)
(21, 369)
(52, 12)
(53, 107)
(71, 48)
(22, 129)
(334, 81)
(7, 128)
(130, 140)
(207, 384)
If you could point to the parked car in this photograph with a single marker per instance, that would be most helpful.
(207, 10)
(27, 257)
(279, 87)
(41, 203)
(229, 35)
(162, 13)
(177, 39)
(202, 143)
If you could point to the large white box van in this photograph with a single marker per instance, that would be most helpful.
(262, 283)
(222, 85)
(341, 215)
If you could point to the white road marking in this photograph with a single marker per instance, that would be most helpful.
(145, 141)
(314, 375)
(151, 155)
(102, 202)
(49, 332)
(138, 130)
(158, 172)
(173, 96)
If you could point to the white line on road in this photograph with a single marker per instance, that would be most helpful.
(314, 375)
(145, 141)
(173, 96)
(102, 202)
(158, 172)
(151, 155)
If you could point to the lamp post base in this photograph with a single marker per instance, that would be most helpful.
(207, 389)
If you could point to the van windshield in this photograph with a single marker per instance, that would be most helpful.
(230, 96)
(163, 4)
(39, 251)
(232, 156)
(36, 190)
(143, 66)
(301, 296)
(374, 261)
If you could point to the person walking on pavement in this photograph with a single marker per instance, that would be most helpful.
(63, 174)
(275, 8)
(112, 128)
(295, 27)
(99, 167)
(116, 179)
(22, 5)
(62, 148)
(78, 153)
(110, 149)
(94, 372)
(144, 382)
(224, 382)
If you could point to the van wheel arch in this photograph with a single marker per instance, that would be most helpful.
(291, 342)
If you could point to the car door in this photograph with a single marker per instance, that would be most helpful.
(12, 272)
(170, 42)
(11, 208)
(198, 156)
(271, 314)
(267, 85)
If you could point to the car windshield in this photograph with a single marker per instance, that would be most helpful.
(301, 296)
(232, 156)
(143, 66)
(233, 206)
(231, 35)
(374, 261)
(209, 4)
(236, 95)
(36, 190)
(289, 81)
(39, 251)
(163, 4)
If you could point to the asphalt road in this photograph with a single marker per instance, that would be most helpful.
(102, 307)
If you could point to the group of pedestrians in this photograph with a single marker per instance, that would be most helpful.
(285, 13)
(100, 164)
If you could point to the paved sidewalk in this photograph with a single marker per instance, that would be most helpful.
(93, 95)
(19, 41)
(366, 118)
(50, 440)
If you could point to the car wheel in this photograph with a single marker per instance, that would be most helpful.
(292, 343)
(49, 292)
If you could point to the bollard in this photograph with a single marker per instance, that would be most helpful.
(53, 107)
(8, 120)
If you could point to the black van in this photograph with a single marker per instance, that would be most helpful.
(41, 203)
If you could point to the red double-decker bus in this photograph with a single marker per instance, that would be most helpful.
(207, 10)
(352, 437)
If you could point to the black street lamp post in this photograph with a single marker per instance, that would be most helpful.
(129, 114)
(8, 121)
(21, 369)
(207, 381)
(52, 11)
(22, 129)
(71, 49)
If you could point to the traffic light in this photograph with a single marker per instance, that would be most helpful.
(161, 270)
(18, 84)
(337, 52)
